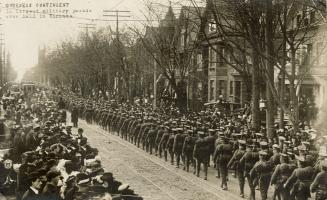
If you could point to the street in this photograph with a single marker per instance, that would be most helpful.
(150, 176)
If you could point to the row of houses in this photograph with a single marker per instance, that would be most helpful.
(210, 70)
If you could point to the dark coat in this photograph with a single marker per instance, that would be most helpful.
(30, 195)
(74, 115)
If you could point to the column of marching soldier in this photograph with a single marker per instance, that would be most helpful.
(293, 162)
(48, 160)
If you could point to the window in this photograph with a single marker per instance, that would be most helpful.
(199, 61)
(212, 57)
(212, 89)
(182, 37)
(298, 19)
(237, 98)
(222, 88)
(212, 27)
(231, 88)
(312, 17)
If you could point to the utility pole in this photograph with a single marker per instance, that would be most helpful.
(270, 114)
(3, 59)
(116, 14)
(87, 26)
(155, 85)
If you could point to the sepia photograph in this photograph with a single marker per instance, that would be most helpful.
(163, 99)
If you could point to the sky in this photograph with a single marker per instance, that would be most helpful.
(24, 36)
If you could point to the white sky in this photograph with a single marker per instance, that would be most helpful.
(23, 37)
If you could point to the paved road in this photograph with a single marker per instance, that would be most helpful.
(150, 176)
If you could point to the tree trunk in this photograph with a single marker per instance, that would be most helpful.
(256, 119)
(270, 114)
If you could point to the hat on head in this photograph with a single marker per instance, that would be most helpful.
(53, 174)
(323, 163)
(300, 158)
(71, 179)
(123, 187)
(201, 133)
(302, 148)
(241, 142)
(263, 153)
(276, 146)
(263, 144)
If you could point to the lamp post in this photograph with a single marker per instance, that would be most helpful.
(262, 104)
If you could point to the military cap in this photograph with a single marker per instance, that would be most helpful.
(200, 132)
(283, 154)
(275, 146)
(263, 143)
(259, 134)
(211, 130)
(241, 142)
(281, 138)
(287, 142)
(190, 131)
(263, 153)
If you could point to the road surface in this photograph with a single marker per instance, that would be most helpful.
(150, 176)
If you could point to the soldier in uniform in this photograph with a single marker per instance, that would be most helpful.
(187, 150)
(211, 141)
(150, 139)
(136, 131)
(235, 163)
(281, 173)
(201, 154)
(319, 185)
(170, 145)
(74, 116)
(248, 160)
(163, 143)
(158, 138)
(262, 172)
(178, 145)
(300, 180)
(222, 155)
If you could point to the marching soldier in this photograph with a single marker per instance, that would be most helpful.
(170, 145)
(201, 154)
(319, 185)
(281, 173)
(158, 138)
(163, 142)
(150, 139)
(248, 160)
(222, 155)
(262, 172)
(178, 145)
(187, 150)
(300, 180)
(235, 163)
